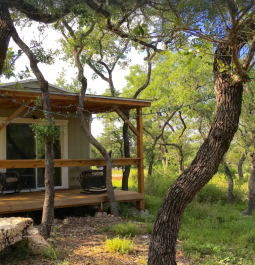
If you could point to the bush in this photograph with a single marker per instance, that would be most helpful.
(119, 245)
(127, 229)
(159, 182)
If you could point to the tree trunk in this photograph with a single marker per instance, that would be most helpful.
(150, 167)
(48, 206)
(230, 183)
(101, 149)
(126, 153)
(204, 166)
(251, 203)
(5, 33)
(240, 166)
(92, 140)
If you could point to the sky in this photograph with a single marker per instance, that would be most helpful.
(51, 72)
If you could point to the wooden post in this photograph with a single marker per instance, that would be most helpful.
(139, 120)
(101, 207)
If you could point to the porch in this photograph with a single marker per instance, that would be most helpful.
(32, 201)
(14, 105)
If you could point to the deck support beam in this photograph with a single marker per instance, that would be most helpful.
(139, 121)
(126, 120)
(15, 114)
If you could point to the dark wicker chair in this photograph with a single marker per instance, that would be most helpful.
(10, 180)
(93, 181)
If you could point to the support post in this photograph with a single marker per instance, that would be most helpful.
(139, 120)
(101, 207)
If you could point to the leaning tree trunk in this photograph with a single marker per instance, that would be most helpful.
(251, 203)
(126, 153)
(101, 149)
(204, 166)
(240, 166)
(5, 33)
(230, 183)
(92, 140)
(48, 206)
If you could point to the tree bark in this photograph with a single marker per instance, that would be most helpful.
(204, 166)
(48, 206)
(150, 167)
(5, 33)
(240, 166)
(101, 149)
(251, 203)
(126, 153)
(230, 183)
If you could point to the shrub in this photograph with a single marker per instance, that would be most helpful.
(117, 244)
(127, 229)
(159, 182)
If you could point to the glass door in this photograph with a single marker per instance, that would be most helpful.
(20, 144)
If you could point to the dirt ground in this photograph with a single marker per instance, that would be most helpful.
(81, 241)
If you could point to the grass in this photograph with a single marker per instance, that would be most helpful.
(119, 245)
(53, 253)
(213, 231)
(126, 229)
(15, 254)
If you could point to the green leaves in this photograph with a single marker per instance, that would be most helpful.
(181, 5)
(46, 131)
(139, 30)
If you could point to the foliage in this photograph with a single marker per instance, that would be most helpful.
(53, 253)
(16, 253)
(117, 244)
(46, 131)
(124, 229)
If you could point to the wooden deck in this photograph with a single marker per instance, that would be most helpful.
(31, 201)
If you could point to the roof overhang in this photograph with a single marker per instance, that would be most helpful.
(93, 103)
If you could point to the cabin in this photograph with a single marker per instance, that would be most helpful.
(21, 151)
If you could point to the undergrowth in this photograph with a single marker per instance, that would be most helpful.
(120, 245)
(15, 254)
(123, 229)
(212, 231)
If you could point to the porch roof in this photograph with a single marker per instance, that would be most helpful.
(93, 103)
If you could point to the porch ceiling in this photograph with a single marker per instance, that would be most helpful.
(59, 101)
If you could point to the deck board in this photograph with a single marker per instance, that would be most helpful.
(31, 201)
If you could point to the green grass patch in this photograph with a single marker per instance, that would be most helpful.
(119, 245)
(213, 231)
(123, 229)
(16, 253)
(53, 253)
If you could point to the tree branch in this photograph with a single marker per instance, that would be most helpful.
(184, 125)
(150, 57)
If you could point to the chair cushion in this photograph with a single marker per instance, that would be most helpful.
(12, 180)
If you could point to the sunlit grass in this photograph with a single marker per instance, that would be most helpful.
(120, 245)
(213, 231)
